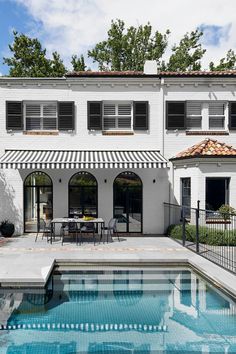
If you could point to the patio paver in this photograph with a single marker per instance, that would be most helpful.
(25, 262)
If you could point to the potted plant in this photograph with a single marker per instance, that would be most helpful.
(226, 211)
(7, 228)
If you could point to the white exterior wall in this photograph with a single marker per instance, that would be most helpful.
(154, 195)
(196, 89)
(199, 171)
(81, 90)
(82, 138)
(175, 141)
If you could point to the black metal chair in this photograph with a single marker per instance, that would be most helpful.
(45, 228)
(87, 228)
(111, 229)
(71, 228)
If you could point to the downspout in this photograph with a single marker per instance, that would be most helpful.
(163, 115)
(171, 173)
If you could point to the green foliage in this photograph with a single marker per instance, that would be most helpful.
(187, 55)
(227, 63)
(29, 59)
(226, 211)
(206, 235)
(128, 49)
(78, 63)
(57, 67)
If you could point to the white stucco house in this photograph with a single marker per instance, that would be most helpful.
(116, 144)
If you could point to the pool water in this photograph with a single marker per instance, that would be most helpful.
(117, 310)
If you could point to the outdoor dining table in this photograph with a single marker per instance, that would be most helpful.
(97, 221)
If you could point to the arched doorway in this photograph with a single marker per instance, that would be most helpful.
(38, 200)
(128, 202)
(83, 195)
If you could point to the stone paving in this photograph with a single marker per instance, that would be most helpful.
(25, 262)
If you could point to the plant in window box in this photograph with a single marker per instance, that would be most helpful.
(226, 211)
(7, 228)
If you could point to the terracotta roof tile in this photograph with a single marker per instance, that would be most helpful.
(130, 73)
(225, 73)
(104, 73)
(207, 148)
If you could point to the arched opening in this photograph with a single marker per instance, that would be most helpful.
(128, 202)
(83, 195)
(38, 200)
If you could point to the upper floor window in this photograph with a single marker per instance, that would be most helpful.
(216, 113)
(37, 115)
(196, 115)
(123, 116)
(41, 116)
(117, 116)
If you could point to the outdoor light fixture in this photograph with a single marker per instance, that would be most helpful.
(154, 181)
(105, 181)
(59, 180)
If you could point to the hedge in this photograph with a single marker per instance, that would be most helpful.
(206, 235)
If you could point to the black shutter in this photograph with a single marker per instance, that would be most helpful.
(66, 115)
(232, 115)
(14, 115)
(176, 115)
(140, 121)
(95, 115)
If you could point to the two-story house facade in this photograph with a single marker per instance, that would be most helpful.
(87, 144)
(108, 144)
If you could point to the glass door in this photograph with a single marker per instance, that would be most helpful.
(31, 209)
(134, 208)
(45, 203)
(83, 195)
(38, 201)
(128, 202)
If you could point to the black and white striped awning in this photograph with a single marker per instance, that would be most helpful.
(54, 159)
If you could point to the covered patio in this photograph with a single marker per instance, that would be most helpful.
(128, 185)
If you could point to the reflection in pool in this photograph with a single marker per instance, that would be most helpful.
(149, 310)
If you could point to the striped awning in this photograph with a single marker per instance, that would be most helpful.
(55, 159)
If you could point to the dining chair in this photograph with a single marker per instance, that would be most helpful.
(45, 228)
(88, 228)
(72, 228)
(111, 229)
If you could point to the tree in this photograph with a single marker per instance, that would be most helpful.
(78, 63)
(227, 63)
(57, 68)
(187, 55)
(128, 49)
(29, 59)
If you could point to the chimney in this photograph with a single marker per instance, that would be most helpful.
(150, 67)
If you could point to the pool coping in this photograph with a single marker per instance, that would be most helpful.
(216, 281)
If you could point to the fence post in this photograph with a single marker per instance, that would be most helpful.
(197, 226)
(183, 226)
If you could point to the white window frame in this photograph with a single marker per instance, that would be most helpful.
(225, 103)
(194, 115)
(205, 121)
(116, 103)
(41, 103)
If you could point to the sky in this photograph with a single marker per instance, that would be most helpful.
(74, 26)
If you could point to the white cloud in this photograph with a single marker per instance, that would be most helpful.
(72, 26)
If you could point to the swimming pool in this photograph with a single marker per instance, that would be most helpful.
(118, 310)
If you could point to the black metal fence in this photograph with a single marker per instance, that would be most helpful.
(211, 234)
